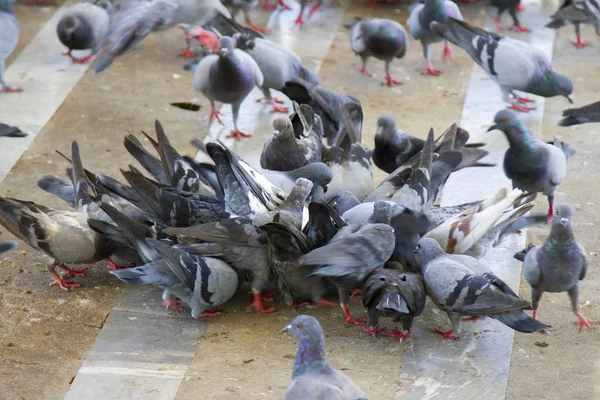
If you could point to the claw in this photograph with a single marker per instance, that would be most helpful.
(299, 21)
(349, 318)
(313, 9)
(64, 285)
(258, 29)
(356, 292)
(520, 108)
(214, 113)
(73, 272)
(447, 335)
(258, 305)
(519, 28)
(372, 330)
(174, 303)
(363, 70)
(398, 333)
(207, 314)
(283, 5)
(237, 134)
(431, 71)
(582, 321)
(275, 108)
(389, 81)
(187, 53)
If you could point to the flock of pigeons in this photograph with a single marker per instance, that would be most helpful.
(311, 223)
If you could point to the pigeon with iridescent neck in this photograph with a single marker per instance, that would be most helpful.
(531, 164)
(8, 40)
(558, 265)
(513, 64)
(419, 24)
(312, 377)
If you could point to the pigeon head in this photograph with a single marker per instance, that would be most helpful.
(207, 39)
(503, 120)
(382, 212)
(563, 215)
(318, 173)
(344, 201)
(244, 41)
(311, 344)
(428, 249)
(549, 83)
(225, 46)
(563, 86)
(283, 125)
(516, 133)
(350, 24)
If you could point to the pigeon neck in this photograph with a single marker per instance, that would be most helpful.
(310, 355)
(561, 239)
(435, 8)
(543, 83)
(6, 6)
(519, 138)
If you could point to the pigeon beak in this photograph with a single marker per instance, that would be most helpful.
(224, 50)
(286, 329)
(325, 187)
(564, 222)
(493, 127)
(570, 98)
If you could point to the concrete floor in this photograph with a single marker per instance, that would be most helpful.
(46, 333)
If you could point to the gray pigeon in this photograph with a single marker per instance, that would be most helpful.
(419, 23)
(391, 292)
(581, 115)
(532, 165)
(513, 7)
(383, 39)
(227, 77)
(312, 377)
(82, 26)
(244, 6)
(283, 151)
(558, 265)
(461, 286)
(8, 245)
(577, 12)
(391, 142)
(10, 131)
(277, 64)
(138, 19)
(512, 64)
(8, 39)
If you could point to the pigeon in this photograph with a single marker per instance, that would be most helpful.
(312, 377)
(137, 20)
(391, 142)
(82, 26)
(201, 282)
(576, 12)
(8, 245)
(512, 6)
(227, 77)
(345, 201)
(383, 39)
(10, 131)
(277, 64)
(532, 165)
(461, 286)
(8, 40)
(350, 256)
(419, 24)
(558, 265)
(512, 64)
(391, 292)
(283, 151)
(581, 115)
(327, 104)
(244, 6)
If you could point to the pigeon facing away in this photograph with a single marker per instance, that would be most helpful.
(8, 40)
(312, 377)
(419, 24)
(461, 286)
(512, 64)
(577, 12)
(227, 77)
(82, 26)
(558, 265)
(581, 115)
(390, 292)
(8, 245)
(383, 39)
(391, 142)
(513, 7)
(532, 165)
(10, 131)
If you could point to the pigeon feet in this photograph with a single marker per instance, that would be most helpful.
(275, 108)
(299, 21)
(214, 113)
(431, 71)
(187, 53)
(473, 318)
(580, 44)
(447, 335)
(519, 28)
(257, 28)
(499, 26)
(534, 314)
(258, 305)
(73, 272)
(356, 292)
(372, 330)
(398, 333)
(550, 214)
(298, 305)
(313, 9)
(283, 5)
(174, 303)
(583, 322)
(523, 100)
(520, 108)
(447, 55)
(64, 285)
(363, 70)
(349, 318)
(207, 314)
(9, 89)
(389, 81)
(237, 134)
(268, 6)
(111, 265)
(76, 60)
(275, 99)
(520, 7)
(323, 303)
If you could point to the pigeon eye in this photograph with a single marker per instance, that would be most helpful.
(503, 120)
(299, 326)
(382, 279)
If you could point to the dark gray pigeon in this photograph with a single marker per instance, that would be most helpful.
(391, 142)
(513, 7)
(227, 77)
(558, 265)
(461, 286)
(513, 64)
(419, 23)
(283, 151)
(8, 245)
(82, 26)
(345, 201)
(532, 165)
(581, 115)
(312, 377)
(10, 131)
(277, 64)
(8, 41)
(391, 292)
(576, 12)
(383, 39)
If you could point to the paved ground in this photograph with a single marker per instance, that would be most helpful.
(46, 334)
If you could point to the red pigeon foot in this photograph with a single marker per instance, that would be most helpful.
(447, 335)
(299, 21)
(499, 26)
(283, 5)
(519, 28)
(389, 81)
(349, 318)
(313, 9)
(213, 313)
(258, 305)
(9, 89)
(447, 55)
(520, 108)
(473, 318)
(323, 303)
(258, 29)
(73, 272)
(64, 285)
(372, 330)
(113, 266)
(583, 322)
(356, 292)
(364, 71)
(174, 303)
(431, 71)
(187, 53)
(398, 333)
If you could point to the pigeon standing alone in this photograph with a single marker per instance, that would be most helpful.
(9, 37)
(513, 7)
(312, 377)
(558, 265)
(82, 26)
(577, 12)
(383, 39)
(512, 64)
(391, 142)
(419, 24)
(532, 165)
(227, 77)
